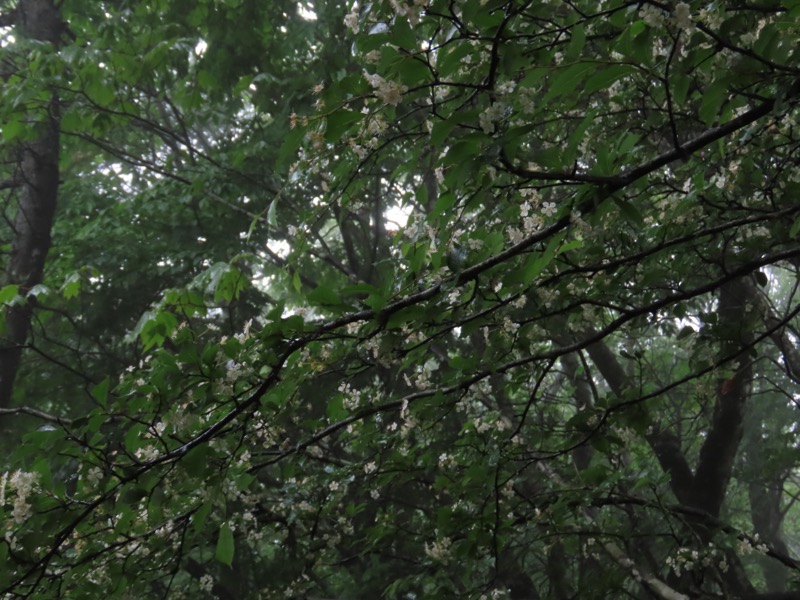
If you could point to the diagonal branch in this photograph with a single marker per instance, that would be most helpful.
(34, 412)
(665, 445)
(779, 336)
(617, 182)
(653, 584)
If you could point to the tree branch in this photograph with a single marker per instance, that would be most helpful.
(778, 335)
(34, 412)
(652, 583)
(617, 182)
(665, 445)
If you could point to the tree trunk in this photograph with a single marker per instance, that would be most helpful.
(36, 202)
(705, 489)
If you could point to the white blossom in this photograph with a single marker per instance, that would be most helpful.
(549, 208)
(490, 116)
(206, 583)
(682, 15)
(351, 19)
(23, 483)
(388, 92)
(652, 15)
(439, 550)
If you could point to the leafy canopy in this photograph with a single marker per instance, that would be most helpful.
(486, 299)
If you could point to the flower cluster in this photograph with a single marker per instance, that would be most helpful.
(652, 15)
(92, 477)
(24, 484)
(351, 399)
(746, 546)
(496, 594)
(490, 116)
(351, 19)
(412, 13)
(531, 222)
(686, 559)
(207, 583)
(439, 550)
(682, 16)
(388, 92)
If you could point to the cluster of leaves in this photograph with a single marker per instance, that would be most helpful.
(519, 281)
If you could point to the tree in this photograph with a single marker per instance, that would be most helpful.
(36, 179)
(512, 288)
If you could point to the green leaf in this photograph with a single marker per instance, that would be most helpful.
(225, 545)
(607, 76)
(441, 129)
(444, 203)
(13, 130)
(566, 80)
(197, 460)
(101, 92)
(629, 211)
(199, 518)
(627, 143)
(402, 35)
(8, 293)
(158, 328)
(324, 296)
(416, 253)
(467, 146)
(536, 263)
(133, 438)
(576, 42)
(292, 325)
(100, 391)
(793, 231)
(571, 245)
(336, 410)
(273, 211)
(713, 98)
(72, 285)
(288, 152)
(42, 467)
(680, 89)
(338, 122)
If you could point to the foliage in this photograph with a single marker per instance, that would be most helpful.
(486, 299)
